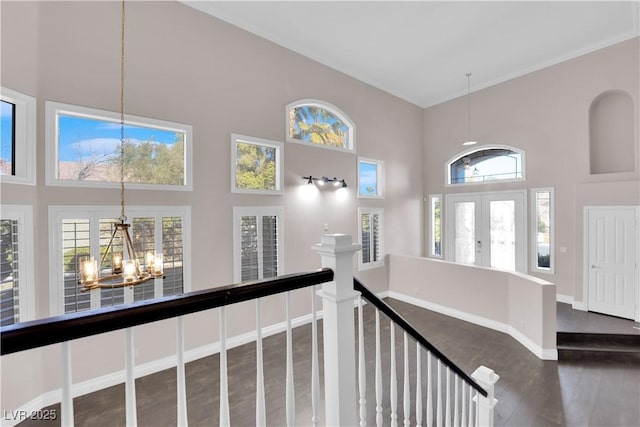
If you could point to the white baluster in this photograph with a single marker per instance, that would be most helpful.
(130, 382)
(261, 411)
(471, 423)
(224, 384)
(362, 368)
(439, 396)
(290, 393)
(315, 371)
(181, 383)
(464, 404)
(429, 392)
(66, 406)
(447, 414)
(418, 387)
(378, 373)
(406, 394)
(393, 382)
(456, 407)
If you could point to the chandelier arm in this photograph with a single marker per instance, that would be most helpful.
(109, 246)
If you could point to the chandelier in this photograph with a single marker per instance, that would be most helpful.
(124, 269)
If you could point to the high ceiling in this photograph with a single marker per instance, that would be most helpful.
(421, 51)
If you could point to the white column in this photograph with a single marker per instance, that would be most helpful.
(336, 251)
(487, 379)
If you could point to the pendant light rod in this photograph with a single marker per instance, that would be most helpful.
(123, 217)
(469, 141)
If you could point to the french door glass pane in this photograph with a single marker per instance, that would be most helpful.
(503, 234)
(465, 232)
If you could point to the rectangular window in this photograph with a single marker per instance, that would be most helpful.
(17, 137)
(257, 243)
(256, 165)
(84, 149)
(543, 229)
(435, 232)
(16, 264)
(85, 232)
(370, 228)
(370, 178)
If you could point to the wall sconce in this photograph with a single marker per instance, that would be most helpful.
(326, 182)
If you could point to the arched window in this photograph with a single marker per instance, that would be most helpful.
(486, 164)
(317, 123)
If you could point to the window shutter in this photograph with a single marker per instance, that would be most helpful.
(9, 277)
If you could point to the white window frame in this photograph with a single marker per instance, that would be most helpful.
(257, 211)
(432, 234)
(53, 109)
(58, 213)
(534, 230)
(26, 300)
(380, 262)
(235, 138)
(448, 163)
(351, 138)
(24, 136)
(379, 178)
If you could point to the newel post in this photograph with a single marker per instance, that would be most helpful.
(338, 298)
(487, 379)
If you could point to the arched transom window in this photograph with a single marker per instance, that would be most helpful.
(314, 122)
(486, 164)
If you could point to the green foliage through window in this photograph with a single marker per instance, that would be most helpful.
(318, 125)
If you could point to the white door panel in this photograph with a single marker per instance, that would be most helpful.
(612, 261)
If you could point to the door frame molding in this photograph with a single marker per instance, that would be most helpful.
(585, 256)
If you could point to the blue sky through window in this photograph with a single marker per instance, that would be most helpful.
(82, 138)
(368, 185)
(7, 110)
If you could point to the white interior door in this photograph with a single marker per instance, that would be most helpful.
(611, 245)
(487, 229)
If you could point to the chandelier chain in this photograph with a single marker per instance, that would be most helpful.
(122, 22)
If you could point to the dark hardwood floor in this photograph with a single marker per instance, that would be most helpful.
(531, 392)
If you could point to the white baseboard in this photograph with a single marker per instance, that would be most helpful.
(118, 377)
(579, 305)
(567, 299)
(542, 353)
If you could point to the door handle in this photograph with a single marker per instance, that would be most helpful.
(594, 266)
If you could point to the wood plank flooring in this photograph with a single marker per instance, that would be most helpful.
(531, 392)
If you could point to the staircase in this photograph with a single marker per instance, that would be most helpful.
(598, 346)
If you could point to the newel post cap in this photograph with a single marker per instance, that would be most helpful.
(336, 244)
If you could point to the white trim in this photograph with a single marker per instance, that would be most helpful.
(447, 165)
(26, 284)
(118, 377)
(25, 137)
(379, 178)
(60, 212)
(380, 262)
(235, 138)
(540, 352)
(351, 139)
(431, 228)
(584, 304)
(566, 299)
(534, 230)
(258, 212)
(52, 109)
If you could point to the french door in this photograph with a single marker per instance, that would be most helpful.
(487, 229)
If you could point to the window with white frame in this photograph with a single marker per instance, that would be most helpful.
(16, 264)
(256, 165)
(86, 231)
(17, 137)
(84, 149)
(370, 178)
(543, 229)
(319, 124)
(257, 243)
(370, 230)
(435, 231)
(486, 164)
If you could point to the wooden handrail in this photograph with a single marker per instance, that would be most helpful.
(402, 323)
(52, 330)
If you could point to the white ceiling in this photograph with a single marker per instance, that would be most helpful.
(421, 51)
